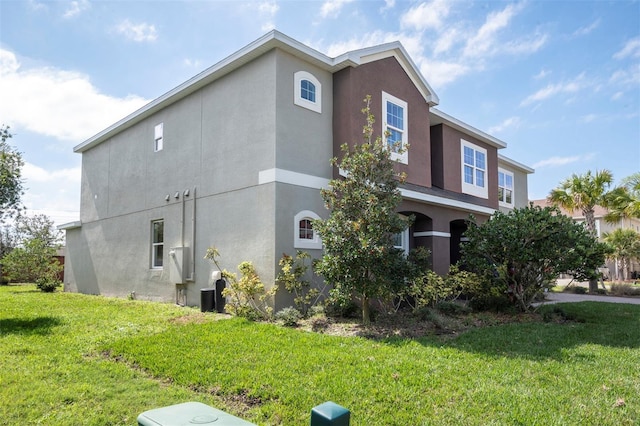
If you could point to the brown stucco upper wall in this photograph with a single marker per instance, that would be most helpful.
(446, 144)
(352, 85)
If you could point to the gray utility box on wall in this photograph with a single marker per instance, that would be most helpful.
(178, 264)
(189, 413)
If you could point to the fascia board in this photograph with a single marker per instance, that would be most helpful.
(395, 49)
(445, 202)
(465, 128)
(515, 164)
(271, 40)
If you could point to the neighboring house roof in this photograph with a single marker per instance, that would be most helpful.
(599, 211)
(271, 40)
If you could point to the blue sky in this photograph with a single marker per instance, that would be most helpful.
(558, 81)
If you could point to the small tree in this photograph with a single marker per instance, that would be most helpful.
(11, 189)
(246, 294)
(292, 276)
(359, 255)
(32, 259)
(625, 245)
(35, 262)
(584, 193)
(523, 252)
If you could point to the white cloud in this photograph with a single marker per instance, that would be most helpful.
(446, 40)
(388, 4)
(268, 9)
(588, 29)
(484, 41)
(35, 5)
(630, 49)
(589, 118)
(510, 122)
(617, 96)
(542, 74)
(137, 32)
(332, 8)
(440, 73)
(58, 103)
(550, 90)
(562, 161)
(75, 8)
(426, 15)
(33, 173)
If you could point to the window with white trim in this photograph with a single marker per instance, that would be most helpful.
(304, 235)
(401, 241)
(157, 244)
(394, 112)
(307, 91)
(505, 188)
(474, 169)
(158, 137)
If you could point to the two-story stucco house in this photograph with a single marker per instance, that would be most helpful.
(236, 156)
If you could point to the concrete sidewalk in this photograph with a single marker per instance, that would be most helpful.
(572, 298)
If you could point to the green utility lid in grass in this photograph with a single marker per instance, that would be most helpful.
(189, 414)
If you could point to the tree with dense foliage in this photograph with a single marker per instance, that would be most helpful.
(584, 193)
(624, 201)
(33, 257)
(359, 258)
(522, 253)
(11, 189)
(625, 245)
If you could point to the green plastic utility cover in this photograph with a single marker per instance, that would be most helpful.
(189, 414)
(330, 414)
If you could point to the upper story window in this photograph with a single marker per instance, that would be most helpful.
(394, 128)
(157, 243)
(505, 188)
(307, 91)
(158, 137)
(474, 169)
(304, 235)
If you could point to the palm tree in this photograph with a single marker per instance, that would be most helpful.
(583, 193)
(626, 248)
(624, 201)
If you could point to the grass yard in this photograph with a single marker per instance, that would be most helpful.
(69, 359)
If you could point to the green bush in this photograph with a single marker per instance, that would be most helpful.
(624, 289)
(289, 316)
(291, 276)
(579, 290)
(48, 284)
(452, 308)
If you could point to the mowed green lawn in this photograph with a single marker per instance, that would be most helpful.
(69, 359)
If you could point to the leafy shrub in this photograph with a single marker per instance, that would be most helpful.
(289, 316)
(340, 304)
(452, 308)
(579, 290)
(430, 289)
(624, 289)
(48, 284)
(316, 311)
(491, 302)
(292, 273)
(246, 295)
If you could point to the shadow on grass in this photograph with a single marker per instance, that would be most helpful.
(570, 326)
(39, 325)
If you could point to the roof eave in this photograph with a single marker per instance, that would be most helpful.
(463, 127)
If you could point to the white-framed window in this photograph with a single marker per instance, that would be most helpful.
(401, 241)
(307, 91)
(474, 169)
(505, 188)
(394, 127)
(158, 140)
(304, 235)
(157, 244)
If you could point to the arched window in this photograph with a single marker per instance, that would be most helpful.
(304, 235)
(307, 91)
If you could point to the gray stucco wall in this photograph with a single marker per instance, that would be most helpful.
(216, 142)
